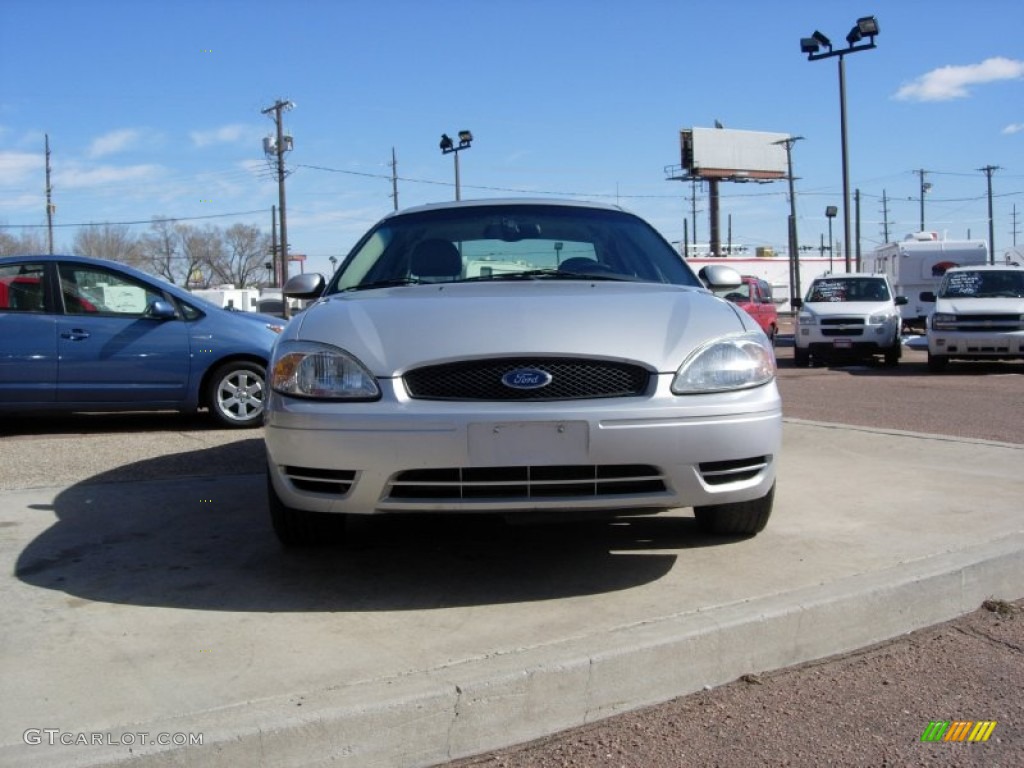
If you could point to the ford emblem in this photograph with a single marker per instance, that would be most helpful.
(526, 378)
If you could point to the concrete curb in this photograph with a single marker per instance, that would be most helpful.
(478, 705)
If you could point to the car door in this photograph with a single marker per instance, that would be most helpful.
(28, 335)
(111, 349)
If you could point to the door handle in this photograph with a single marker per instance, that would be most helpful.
(75, 334)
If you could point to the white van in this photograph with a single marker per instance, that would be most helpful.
(847, 316)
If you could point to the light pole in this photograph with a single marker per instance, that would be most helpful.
(830, 213)
(450, 147)
(794, 247)
(866, 26)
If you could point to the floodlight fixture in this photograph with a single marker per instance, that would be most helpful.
(448, 146)
(831, 211)
(809, 45)
(867, 26)
(822, 40)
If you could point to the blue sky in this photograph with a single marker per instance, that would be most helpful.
(153, 107)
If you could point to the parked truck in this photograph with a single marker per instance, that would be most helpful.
(917, 264)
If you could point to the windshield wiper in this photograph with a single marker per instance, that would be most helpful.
(384, 283)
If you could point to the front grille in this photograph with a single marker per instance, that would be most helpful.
(733, 471)
(842, 326)
(337, 482)
(571, 379)
(983, 323)
(525, 483)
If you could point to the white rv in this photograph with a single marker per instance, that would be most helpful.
(918, 263)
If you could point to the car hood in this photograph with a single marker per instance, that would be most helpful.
(392, 330)
(968, 305)
(844, 308)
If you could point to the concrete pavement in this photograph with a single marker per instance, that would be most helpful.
(149, 595)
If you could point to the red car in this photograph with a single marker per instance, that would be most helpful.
(754, 295)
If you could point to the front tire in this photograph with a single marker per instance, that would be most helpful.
(801, 357)
(937, 363)
(297, 528)
(741, 518)
(235, 395)
(892, 356)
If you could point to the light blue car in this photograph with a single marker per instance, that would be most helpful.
(85, 334)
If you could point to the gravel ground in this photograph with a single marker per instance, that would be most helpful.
(868, 708)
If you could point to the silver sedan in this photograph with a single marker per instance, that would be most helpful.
(525, 358)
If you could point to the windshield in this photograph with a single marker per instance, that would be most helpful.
(510, 242)
(849, 289)
(983, 284)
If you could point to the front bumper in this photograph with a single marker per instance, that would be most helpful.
(976, 345)
(619, 454)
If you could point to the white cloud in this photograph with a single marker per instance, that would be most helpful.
(16, 167)
(76, 177)
(226, 134)
(113, 142)
(1014, 128)
(947, 83)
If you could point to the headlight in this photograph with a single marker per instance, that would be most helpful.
(732, 362)
(943, 321)
(806, 318)
(309, 369)
(880, 318)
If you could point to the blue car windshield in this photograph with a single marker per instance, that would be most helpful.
(511, 242)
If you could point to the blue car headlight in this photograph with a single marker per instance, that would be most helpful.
(321, 371)
(731, 362)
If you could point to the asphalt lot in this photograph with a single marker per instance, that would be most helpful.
(140, 545)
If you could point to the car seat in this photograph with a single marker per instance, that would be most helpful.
(436, 260)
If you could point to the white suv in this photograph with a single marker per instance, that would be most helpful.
(848, 316)
(979, 315)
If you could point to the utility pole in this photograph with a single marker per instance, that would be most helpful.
(925, 186)
(856, 224)
(279, 149)
(1014, 231)
(885, 218)
(988, 170)
(794, 246)
(394, 178)
(50, 208)
(693, 200)
(275, 264)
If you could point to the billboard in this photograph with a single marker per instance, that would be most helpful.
(722, 153)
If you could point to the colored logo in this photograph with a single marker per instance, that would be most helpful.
(526, 378)
(958, 730)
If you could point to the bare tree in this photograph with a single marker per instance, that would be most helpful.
(244, 258)
(201, 248)
(25, 242)
(161, 250)
(108, 241)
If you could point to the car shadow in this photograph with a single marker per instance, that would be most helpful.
(205, 542)
(47, 423)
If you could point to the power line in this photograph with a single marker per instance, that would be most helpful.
(141, 221)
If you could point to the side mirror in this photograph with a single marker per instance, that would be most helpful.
(796, 303)
(928, 297)
(719, 276)
(160, 310)
(306, 286)
(899, 301)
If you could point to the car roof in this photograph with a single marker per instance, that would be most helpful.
(836, 275)
(986, 268)
(48, 258)
(509, 201)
